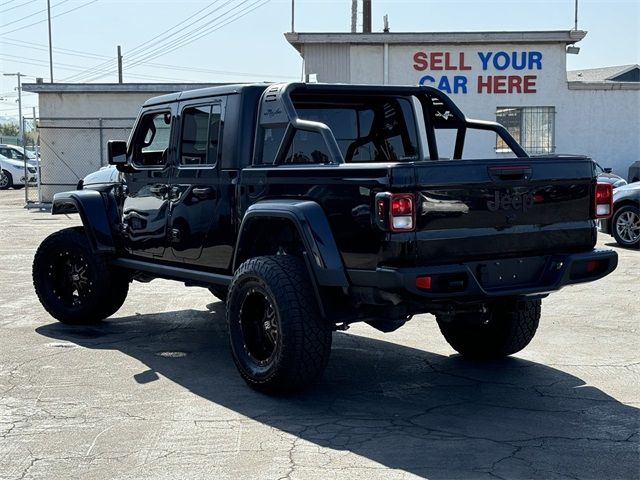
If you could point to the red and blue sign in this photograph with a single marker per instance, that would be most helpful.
(462, 82)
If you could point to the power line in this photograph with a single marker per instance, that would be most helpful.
(16, 6)
(32, 14)
(106, 67)
(53, 16)
(60, 51)
(179, 44)
(169, 43)
(79, 53)
(138, 47)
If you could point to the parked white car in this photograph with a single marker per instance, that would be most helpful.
(15, 152)
(12, 173)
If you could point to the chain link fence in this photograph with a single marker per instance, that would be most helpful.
(71, 148)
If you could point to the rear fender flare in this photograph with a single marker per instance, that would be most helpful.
(310, 222)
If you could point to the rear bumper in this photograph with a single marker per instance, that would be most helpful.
(492, 278)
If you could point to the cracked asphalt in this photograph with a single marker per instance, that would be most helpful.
(153, 393)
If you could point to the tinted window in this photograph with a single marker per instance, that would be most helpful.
(307, 147)
(200, 135)
(271, 138)
(152, 139)
(371, 130)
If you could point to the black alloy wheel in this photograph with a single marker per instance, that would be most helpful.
(69, 272)
(260, 326)
(73, 283)
(279, 341)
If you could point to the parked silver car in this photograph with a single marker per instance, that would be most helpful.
(624, 225)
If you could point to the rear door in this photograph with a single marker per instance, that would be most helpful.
(194, 224)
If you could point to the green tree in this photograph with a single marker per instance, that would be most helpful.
(9, 129)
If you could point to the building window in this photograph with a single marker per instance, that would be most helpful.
(532, 127)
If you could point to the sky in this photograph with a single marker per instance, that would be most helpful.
(242, 40)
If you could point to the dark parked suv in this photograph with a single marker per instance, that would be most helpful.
(309, 207)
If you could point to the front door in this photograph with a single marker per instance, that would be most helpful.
(146, 204)
(196, 193)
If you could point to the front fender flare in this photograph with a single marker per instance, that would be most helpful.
(93, 212)
(311, 223)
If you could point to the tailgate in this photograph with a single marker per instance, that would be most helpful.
(478, 209)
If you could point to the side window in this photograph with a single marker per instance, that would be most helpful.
(271, 139)
(307, 147)
(151, 141)
(200, 138)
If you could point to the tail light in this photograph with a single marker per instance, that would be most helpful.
(603, 200)
(396, 211)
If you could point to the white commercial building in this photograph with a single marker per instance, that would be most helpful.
(517, 78)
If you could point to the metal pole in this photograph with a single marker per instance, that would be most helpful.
(119, 65)
(50, 47)
(293, 15)
(20, 108)
(366, 16)
(354, 16)
(20, 123)
(101, 142)
(37, 150)
(576, 17)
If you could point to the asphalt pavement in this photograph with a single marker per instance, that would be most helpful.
(153, 393)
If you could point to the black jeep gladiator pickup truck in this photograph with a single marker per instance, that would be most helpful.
(307, 207)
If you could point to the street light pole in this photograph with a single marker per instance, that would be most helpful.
(20, 122)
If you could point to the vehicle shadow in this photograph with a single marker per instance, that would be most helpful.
(407, 409)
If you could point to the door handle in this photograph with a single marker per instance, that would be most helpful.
(510, 172)
(159, 189)
(204, 192)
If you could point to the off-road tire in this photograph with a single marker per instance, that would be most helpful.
(626, 213)
(303, 342)
(6, 180)
(104, 287)
(219, 292)
(507, 327)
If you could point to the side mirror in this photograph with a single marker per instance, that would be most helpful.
(117, 152)
(608, 170)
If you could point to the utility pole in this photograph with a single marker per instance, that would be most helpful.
(20, 122)
(119, 64)
(576, 17)
(293, 15)
(366, 16)
(50, 46)
(354, 16)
